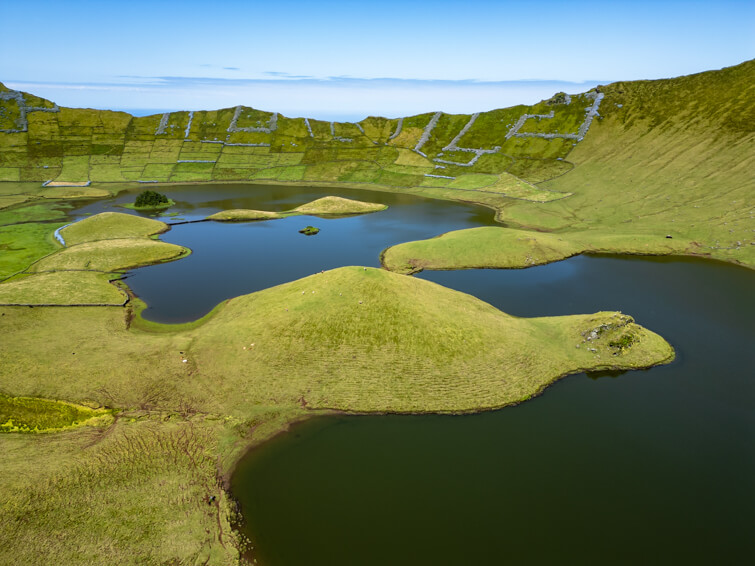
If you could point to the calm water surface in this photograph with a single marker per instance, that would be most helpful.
(231, 259)
(645, 467)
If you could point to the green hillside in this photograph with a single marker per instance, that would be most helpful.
(152, 418)
(670, 157)
(661, 158)
(42, 142)
(667, 168)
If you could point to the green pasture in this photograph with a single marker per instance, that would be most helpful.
(109, 255)
(497, 247)
(63, 288)
(29, 414)
(23, 244)
(666, 168)
(111, 225)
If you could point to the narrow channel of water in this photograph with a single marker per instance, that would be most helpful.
(648, 467)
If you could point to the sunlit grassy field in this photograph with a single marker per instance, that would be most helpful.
(665, 168)
(497, 247)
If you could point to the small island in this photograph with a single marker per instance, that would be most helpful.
(327, 207)
(309, 231)
(150, 200)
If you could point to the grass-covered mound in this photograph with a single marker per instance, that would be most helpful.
(496, 247)
(62, 288)
(351, 338)
(111, 225)
(110, 255)
(338, 206)
(326, 206)
(243, 215)
(367, 340)
(30, 414)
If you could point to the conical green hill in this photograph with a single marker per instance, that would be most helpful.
(364, 339)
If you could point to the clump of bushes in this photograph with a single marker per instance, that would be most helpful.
(623, 343)
(309, 231)
(26, 414)
(558, 98)
(151, 199)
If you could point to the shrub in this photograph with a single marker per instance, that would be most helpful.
(150, 199)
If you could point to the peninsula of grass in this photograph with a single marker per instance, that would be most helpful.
(191, 399)
(110, 255)
(98, 248)
(325, 207)
(371, 340)
(244, 215)
(410, 345)
(111, 225)
(63, 288)
(498, 247)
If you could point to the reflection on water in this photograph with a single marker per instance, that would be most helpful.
(613, 374)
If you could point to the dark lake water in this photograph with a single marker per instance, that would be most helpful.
(231, 259)
(645, 467)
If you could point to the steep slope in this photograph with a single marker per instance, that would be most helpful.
(669, 157)
(40, 141)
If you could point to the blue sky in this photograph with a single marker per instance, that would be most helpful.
(338, 59)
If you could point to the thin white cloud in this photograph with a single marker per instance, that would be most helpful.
(330, 98)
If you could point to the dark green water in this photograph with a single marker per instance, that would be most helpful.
(648, 467)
